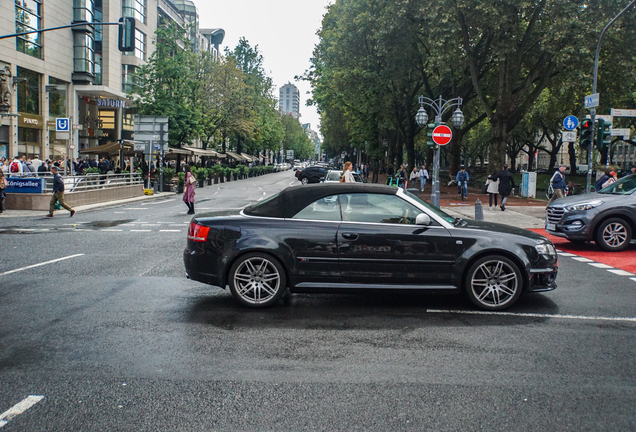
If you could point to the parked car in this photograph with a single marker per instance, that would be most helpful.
(607, 217)
(333, 176)
(360, 237)
(311, 174)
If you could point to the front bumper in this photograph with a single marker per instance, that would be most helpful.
(542, 280)
(571, 225)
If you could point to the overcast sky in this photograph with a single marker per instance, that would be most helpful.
(284, 30)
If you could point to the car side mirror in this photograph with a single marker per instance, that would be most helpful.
(322, 179)
(423, 219)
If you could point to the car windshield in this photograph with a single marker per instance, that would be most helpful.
(333, 176)
(448, 218)
(624, 186)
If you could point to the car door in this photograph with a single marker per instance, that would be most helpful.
(379, 245)
(311, 240)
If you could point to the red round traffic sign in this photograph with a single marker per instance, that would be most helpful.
(442, 135)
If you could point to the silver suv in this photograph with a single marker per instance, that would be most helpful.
(607, 217)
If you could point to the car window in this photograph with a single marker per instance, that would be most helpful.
(325, 209)
(624, 186)
(377, 208)
(333, 176)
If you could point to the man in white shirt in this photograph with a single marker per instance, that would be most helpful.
(423, 177)
(36, 162)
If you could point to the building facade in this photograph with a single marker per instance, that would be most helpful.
(77, 73)
(289, 100)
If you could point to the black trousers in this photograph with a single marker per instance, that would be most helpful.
(490, 197)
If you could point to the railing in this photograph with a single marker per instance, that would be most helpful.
(85, 182)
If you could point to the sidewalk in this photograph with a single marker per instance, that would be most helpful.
(31, 213)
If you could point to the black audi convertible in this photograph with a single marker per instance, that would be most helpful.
(348, 236)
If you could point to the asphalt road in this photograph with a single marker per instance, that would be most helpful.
(115, 338)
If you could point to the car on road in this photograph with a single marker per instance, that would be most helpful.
(311, 174)
(333, 176)
(607, 217)
(360, 237)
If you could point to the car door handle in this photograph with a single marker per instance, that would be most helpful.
(350, 236)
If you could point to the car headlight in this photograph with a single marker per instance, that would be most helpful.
(545, 249)
(584, 206)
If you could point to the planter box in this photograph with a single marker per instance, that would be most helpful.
(180, 189)
(209, 182)
(222, 179)
(216, 180)
(166, 188)
(201, 183)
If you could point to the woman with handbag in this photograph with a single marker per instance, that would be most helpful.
(492, 188)
(188, 193)
(347, 175)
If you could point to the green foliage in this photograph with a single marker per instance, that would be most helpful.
(168, 175)
(92, 171)
(181, 179)
(199, 173)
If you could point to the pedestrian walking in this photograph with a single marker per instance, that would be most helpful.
(414, 176)
(506, 185)
(188, 193)
(58, 193)
(423, 173)
(402, 176)
(3, 186)
(347, 175)
(558, 184)
(492, 189)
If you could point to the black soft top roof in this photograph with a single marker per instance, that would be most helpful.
(295, 198)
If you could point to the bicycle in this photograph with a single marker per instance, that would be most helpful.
(463, 190)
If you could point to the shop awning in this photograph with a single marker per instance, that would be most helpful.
(200, 152)
(235, 156)
(178, 151)
(248, 158)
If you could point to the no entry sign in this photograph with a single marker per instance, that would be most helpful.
(442, 135)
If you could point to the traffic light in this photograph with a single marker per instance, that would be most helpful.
(603, 134)
(431, 126)
(587, 133)
(126, 34)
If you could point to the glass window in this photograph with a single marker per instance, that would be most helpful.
(83, 10)
(57, 98)
(28, 16)
(140, 46)
(135, 9)
(128, 78)
(431, 208)
(84, 56)
(325, 209)
(29, 92)
(377, 208)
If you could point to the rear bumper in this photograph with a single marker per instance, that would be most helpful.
(198, 268)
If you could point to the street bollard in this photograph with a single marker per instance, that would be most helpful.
(479, 210)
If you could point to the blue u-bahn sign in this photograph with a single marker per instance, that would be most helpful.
(25, 185)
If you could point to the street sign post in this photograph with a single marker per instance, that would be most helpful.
(592, 101)
(570, 122)
(442, 135)
(569, 136)
(152, 129)
(623, 112)
(63, 124)
(625, 133)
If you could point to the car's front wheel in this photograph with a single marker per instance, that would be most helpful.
(494, 283)
(305, 180)
(613, 235)
(257, 280)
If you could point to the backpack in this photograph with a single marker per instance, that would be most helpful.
(598, 184)
(14, 167)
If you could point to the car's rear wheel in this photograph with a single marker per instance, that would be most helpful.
(494, 283)
(613, 235)
(257, 280)
(305, 180)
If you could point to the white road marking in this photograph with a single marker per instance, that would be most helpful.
(622, 272)
(634, 279)
(137, 208)
(535, 315)
(140, 230)
(164, 223)
(19, 408)
(566, 254)
(26, 229)
(41, 264)
(600, 265)
(169, 230)
(581, 259)
(119, 212)
(215, 193)
(264, 193)
(260, 188)
(136, 223)
(112, 230)
(160, 202)
(260, 199)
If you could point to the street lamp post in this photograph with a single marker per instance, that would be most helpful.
(439, 106)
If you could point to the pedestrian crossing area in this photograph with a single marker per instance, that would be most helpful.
(114, 227)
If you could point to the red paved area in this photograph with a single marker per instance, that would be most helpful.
(625, 260)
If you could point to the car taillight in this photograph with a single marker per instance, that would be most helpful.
(198, 233)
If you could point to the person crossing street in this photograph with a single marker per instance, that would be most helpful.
(58, 193)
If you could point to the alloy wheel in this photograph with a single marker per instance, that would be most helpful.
(494, 284)
(257, 281)
(615, 234)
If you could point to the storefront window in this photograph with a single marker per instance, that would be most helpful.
(29, 92)
(135, 9)
(57, 98)
(29, 141)
(28, 16)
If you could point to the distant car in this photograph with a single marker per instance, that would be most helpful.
(334, 176)
(311, 174)
(607, 217)
(361, 237)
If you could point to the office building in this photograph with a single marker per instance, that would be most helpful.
(289, 100)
